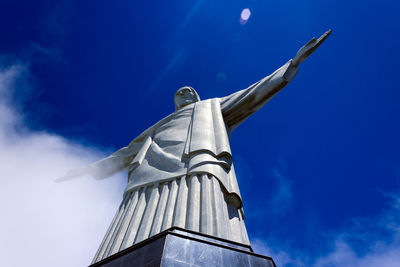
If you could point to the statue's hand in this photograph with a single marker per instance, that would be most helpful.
(309, 48)
(75, 173)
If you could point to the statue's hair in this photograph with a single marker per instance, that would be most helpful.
(191, 89)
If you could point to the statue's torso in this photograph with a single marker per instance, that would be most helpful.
(164, 158)
(172, 135)
(191, 140)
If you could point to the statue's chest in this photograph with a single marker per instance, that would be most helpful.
(175, 130)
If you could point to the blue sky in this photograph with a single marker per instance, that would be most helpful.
(318, 166)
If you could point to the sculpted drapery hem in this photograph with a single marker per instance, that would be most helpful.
(148, 210)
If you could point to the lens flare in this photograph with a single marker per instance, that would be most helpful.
(244, 16)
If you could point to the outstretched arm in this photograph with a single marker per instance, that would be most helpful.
(240, 105)
(103, 168)
(116, 162)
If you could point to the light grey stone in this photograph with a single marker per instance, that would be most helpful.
(183, 164)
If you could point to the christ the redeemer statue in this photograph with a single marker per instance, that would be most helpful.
(180, 169)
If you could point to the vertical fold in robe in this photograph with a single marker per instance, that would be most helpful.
(195, 202)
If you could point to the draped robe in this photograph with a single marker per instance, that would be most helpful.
(181, 171)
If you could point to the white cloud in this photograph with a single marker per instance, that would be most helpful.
(283, 194)
(378, 241)
(385, 255)
(279, 255)
(44, 223)
(373, 241)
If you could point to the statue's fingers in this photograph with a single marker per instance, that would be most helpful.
(313, 40)
(309, 48)
(303, 50)
(318, 42)
(323, 37)
(75, 173)
(65, 178)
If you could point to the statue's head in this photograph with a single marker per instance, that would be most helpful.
(184, 96)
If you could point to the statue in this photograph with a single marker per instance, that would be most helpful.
(180, 169)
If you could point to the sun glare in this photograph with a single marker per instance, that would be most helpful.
(244, 16)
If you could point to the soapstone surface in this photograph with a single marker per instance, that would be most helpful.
(181, 171)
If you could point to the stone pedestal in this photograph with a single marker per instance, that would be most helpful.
(182, 248)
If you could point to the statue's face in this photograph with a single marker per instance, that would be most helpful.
(185, 96)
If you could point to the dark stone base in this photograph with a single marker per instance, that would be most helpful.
(182, 248)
